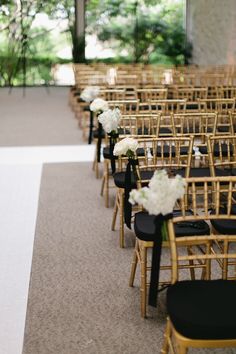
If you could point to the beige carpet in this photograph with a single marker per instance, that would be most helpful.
(79, 299)
(40, 118)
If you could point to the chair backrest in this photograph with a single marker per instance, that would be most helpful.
(215, 201)
(219, 105)
(112, 94)
(222, 153)
(167, 106)
(125, 106)
(197, 124)
(147, 94)
(173, 153)
(139, 124)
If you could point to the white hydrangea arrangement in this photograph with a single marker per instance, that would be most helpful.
(126, 146)
(110, 120)
(161, 194)
(90, 93)
(99, 105)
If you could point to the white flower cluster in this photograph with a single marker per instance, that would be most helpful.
(125, 145)
(99, 105)
(161, 194)
(90, 93)
(110, 120)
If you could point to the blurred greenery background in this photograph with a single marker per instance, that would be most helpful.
(43, 32)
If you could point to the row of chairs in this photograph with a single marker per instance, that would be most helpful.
(202, 228)
(154, 74)
(177, 156)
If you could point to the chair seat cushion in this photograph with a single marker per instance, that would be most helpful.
(225, 226)
(119, 178)
(200, 172)
(203, 309)
(204, 151)
(144, 226)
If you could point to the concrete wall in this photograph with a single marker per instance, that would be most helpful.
(211, 28)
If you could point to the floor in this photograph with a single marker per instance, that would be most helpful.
(21, 162)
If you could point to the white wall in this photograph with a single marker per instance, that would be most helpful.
(211, 28)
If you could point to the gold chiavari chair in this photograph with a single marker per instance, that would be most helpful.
(202, 313)
(199, 125)
(126, 107)
(226, 92)
(222, 155)
(223, 107)
(170, 153)
(167, 106)
(142, 125)
(146, 94)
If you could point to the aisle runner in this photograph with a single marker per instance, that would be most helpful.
(19, 191)
(20, 175)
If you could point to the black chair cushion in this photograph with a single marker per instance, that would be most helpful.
(144, 226)
(119, 178)
(204, 151)
(225, 226)
(203, 309)
(200, 172)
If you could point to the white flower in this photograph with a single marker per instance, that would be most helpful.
(99, 105)
(89, 93)
(110, 120)
(161, 194)
(125, 145)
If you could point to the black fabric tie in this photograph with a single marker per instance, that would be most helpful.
(156, 258)
(128, 186)
(90, 138)
(99, 142)
(112, 139)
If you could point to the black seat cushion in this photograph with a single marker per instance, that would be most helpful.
(204, 151)
(119, 178)
(203, 309)
(225, 226)
(144, 226)
(200, 172)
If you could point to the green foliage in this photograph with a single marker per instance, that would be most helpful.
(143, 29)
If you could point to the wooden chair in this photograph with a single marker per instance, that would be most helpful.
(171, 153)
(199, 125)
(202, 313)
(167, 106)
(147, 94)
(139, 125)
(223, 107)
(222, 155)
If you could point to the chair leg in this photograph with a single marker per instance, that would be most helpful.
(113, 225)
(167, 337)
(143, 288)
(182, 350)
(121, 210)
(134, 264)
(103, 185)
(191, 263)
(106, 186)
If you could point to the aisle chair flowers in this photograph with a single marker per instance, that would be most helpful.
(128, 147)
(158, 199)
(110, 120)
(89, 93)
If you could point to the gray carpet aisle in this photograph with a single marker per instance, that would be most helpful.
(40, 118)
(79, 299)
